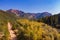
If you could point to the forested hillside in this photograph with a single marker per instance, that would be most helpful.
(51, 20)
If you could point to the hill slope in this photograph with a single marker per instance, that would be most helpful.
(4, 19)
(31, 30)
(24, 29)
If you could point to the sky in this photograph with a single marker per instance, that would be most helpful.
(32, 6)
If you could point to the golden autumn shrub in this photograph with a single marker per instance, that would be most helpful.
(31, 30)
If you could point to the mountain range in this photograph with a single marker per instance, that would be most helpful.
(29, 15)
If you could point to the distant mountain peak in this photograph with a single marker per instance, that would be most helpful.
(15, 11)
(29, 15)
(45, 12)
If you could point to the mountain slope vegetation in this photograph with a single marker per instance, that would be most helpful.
(52, 20)
(4, 18)
(31, 30)
(25, 29)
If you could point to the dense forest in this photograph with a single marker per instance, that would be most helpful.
(51, 20)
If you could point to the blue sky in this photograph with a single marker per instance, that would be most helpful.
(33, 6)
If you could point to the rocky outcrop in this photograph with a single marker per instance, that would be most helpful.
(12, 33)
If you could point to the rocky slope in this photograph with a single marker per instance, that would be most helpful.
(29, 15)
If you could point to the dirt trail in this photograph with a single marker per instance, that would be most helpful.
(12, 35)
